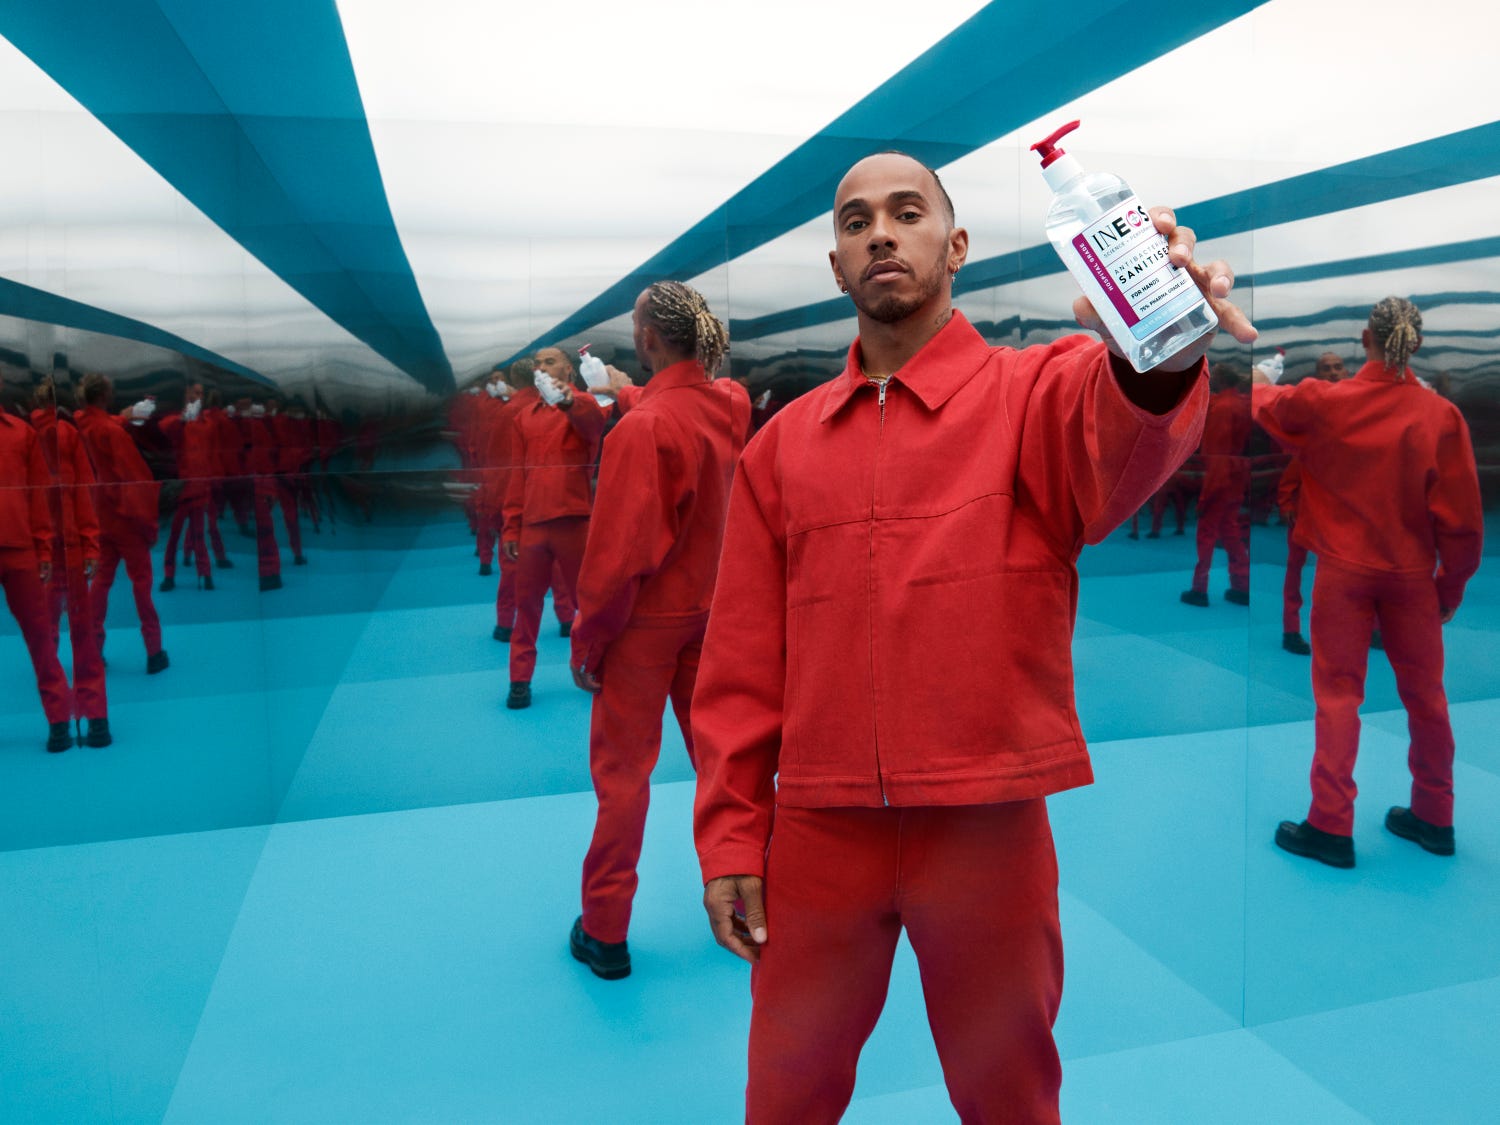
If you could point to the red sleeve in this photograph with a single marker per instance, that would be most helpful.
(1090, 457)
(1454, 501)
(587, 418)
(83, 501)
(515, 485)
(38, 481)
(627, 398)
(633, 528)
(739, 699)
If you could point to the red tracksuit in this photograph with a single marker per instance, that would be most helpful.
(127, 504)
(198, 466)
(26, 537)
(1390, 505)
(888, 676)
(547, 504)
(643, 594)
(75, 551)
(261, 463)
(1226, 482)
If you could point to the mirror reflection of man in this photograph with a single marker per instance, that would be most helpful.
(645, 587)
(194, 439)
(886, 692)
(26, 541)
(548, 500)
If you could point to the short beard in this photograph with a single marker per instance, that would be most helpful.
(891, 309)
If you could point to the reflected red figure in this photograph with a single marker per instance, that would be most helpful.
(26, 543)
(126, 501)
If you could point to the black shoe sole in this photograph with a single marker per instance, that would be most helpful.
(608, 972)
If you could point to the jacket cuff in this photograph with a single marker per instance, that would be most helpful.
(732, 859)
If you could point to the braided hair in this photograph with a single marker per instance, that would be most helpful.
(1397, 327)
(682, 316)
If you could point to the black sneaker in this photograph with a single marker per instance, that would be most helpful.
(59, 737)
(1238, 597)
(565, 629)
(607, 959)
(1293, 642)
(223, 562)
(208, 582)
(1305, 840)
(1409, 826)
(157, 662)
(520, 695)
(299, 560)
(501, 634)
(485, 570)
(1195, 597)
(98, 735)
(270, 582)
(167, 583)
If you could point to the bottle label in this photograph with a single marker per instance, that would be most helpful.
(1127, 256)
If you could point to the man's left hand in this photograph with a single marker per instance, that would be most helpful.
(1215, 280)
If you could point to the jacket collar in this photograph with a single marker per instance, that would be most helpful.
(688, 373)
(945, 363)
(1376, 372)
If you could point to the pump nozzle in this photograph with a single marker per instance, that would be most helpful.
(1047, 147)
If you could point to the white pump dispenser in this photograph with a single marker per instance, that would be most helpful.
(1105, 237)
(591, 367)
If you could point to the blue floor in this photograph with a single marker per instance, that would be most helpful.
(324, 876)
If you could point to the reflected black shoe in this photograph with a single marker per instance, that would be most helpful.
(1293, 642)
(270, 582)
(1195, 597)
(299, 560)
(608, 959)
(157, 662)
(59, 738)
(501, 634)
(1409, 826)
(1238, 597)
(520, 695)
(208, 582)
(223, 563)
(485, 570)
(1305, 840)
(167, 583)
(565, 629)
(98, 735)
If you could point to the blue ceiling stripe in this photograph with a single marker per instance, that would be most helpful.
(1447, 161)
(27, 303)
(1006, 65)
(252, 112)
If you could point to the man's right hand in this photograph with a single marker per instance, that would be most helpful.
(741, 934)
(511, 549)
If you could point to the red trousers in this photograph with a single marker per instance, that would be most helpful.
(127, 543)
(505, 596)
(69, 589)
(26, 598)
(194, 510)
(975, 887)
(644, 667)
(268, 553)
(1219, 521)
(1291, 588)
(552, 543)
(1345, 608)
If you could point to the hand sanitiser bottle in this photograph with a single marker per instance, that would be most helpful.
(1105, 237)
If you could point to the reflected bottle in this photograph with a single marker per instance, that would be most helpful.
(1105, 237)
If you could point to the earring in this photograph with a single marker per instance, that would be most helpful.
(843, 289)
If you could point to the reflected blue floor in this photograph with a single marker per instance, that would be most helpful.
(325, 877)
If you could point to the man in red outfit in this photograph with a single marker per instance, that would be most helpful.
(195, 441)
(1390, 505)
(126, 502)
(645, 587)
(904, 768)
(547, 502)
(1226, 480)
(26, 539)
(75, 554)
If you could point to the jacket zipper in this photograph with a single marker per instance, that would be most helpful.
(879, 771)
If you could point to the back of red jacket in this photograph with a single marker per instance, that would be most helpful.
(25, 521)
(653, 546)
(70, 493)
(126, 493)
